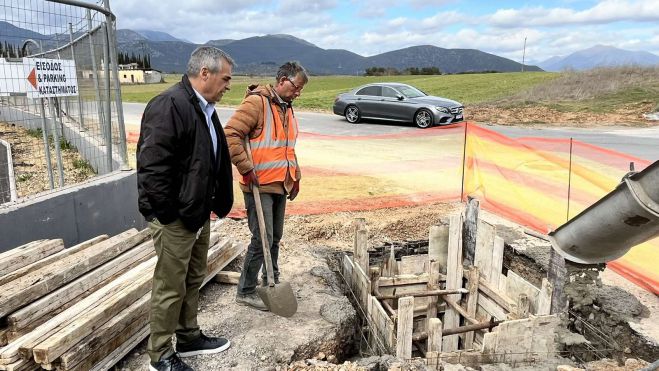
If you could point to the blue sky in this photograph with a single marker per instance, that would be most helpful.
(372, 27)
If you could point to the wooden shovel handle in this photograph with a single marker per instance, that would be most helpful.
(259, 213)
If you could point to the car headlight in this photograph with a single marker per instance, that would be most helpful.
(443, 109)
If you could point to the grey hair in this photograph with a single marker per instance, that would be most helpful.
(292, 69)
(209, 57)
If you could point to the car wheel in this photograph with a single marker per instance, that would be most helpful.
(423, 118)
(352, 114)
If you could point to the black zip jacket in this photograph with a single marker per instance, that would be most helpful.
(177, 174)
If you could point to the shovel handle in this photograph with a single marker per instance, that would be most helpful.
(259, 213)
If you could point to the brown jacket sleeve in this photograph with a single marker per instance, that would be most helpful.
(246, 121)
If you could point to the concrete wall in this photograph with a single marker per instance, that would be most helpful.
(106, 205)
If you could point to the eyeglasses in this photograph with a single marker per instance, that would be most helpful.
(297, 88)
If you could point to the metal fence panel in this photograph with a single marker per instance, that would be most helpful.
(61, 120)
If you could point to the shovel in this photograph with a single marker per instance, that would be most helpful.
(279, 298)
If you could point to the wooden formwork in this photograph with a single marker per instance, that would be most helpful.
(453, 300)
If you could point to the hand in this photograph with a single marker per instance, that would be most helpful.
(250, 179)
(295, 190)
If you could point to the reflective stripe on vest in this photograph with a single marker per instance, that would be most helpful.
(273, 151)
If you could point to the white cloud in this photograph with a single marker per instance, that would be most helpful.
(295, 7)
(604, 12)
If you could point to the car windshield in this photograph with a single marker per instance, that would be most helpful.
(411, 92)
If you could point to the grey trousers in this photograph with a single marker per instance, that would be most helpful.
(274, 208)
(179, 272)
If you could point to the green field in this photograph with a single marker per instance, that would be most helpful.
(320, 92)
(599, 90)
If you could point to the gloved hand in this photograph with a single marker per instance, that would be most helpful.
(250, 179)
(294, 191)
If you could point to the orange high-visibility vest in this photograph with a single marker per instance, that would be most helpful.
(273, 151)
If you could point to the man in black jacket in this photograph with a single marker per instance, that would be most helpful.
(184, 173)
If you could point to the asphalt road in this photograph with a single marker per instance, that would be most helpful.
(641, 143)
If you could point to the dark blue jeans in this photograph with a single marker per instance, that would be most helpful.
(274, 208)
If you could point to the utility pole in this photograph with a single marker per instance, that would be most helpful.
(523, 53)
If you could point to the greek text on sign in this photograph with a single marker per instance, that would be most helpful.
(51, 78)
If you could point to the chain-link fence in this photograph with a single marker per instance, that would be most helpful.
(61, 119)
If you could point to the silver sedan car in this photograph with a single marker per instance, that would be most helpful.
(397, 102)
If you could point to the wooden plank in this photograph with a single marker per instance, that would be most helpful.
(516, 285)
(360, 246)
(389, 265)
(544, 298)
(42, 281)
(50, 259)
(29, 341)
(227, 251)
(497, 262)
(405, 328)
(557, 276)
(226, 277)
(413, 264)
(18, 250)
(21, 365)
(50, 305)
(406, 279)
(434, 335)
(433, 284)
(27, 254)
(492, 308)
(119, 353)
(502, 300)
(58, 343)
(453, 280)
(468, 232)
(515, 339)
(523, 305)
(384, 325)
(463, 312)
(489, 342)
(473, 277)
(484, 245)
(135, 316)
(347, 267)
(438, 245)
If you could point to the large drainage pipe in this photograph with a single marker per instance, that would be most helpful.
(606, 230)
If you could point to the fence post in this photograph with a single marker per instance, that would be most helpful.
(117, 91)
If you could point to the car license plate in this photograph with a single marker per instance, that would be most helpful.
(458, 117)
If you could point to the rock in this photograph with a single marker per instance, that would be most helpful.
(331, 358)
(321, 356)
(628, 350)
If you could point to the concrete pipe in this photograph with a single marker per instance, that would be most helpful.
(606, 230)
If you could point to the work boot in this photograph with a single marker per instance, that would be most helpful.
(251, 300)
(202, 345)
(171, 363)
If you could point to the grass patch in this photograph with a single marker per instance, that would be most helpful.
(83, 165)
(320, 92)
(599, 90)
(66, 145)
(35, 133)
(24, 177)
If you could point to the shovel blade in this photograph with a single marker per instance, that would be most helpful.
(279, 298)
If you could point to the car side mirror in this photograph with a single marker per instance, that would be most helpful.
(400, 97)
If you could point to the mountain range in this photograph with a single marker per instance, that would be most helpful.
(263, 54)
(599, 56)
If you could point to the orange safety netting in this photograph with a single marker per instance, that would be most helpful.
(525, 180)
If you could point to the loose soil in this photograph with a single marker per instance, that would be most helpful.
(322, 333)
